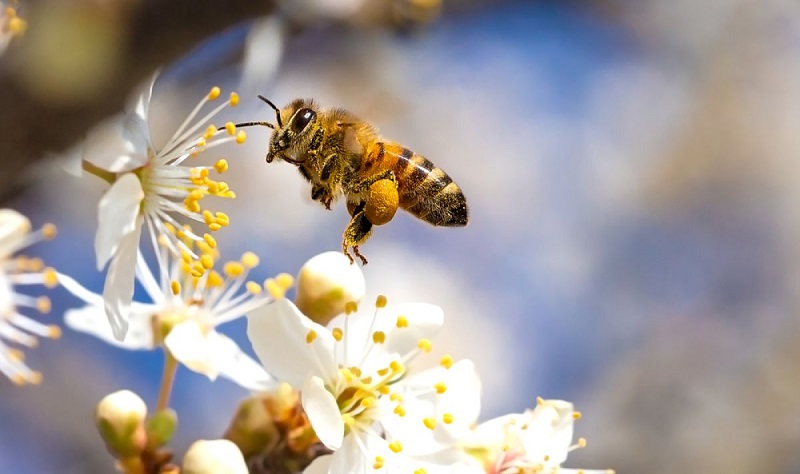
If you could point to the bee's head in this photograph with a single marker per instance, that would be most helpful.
(291, 136)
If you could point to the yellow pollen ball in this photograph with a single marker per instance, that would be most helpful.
(214, 93)
(43, 304)
(382, 202)
(274, 289)
(253, 287)
(581, 442)
(50, 278)
(35, 378)
(18, 379)
(233, 269)
(49, 231)
(15, 355)
(350, 307)
(241, 137)
(284, 280)
(383, 389)
(250, 260)
(446, 361)
(207, 261)
(175, 287)
(448, 418)
(396, 397)
(214, 227)
(378, 463)
(397, 366)
(381, 302)
(539, 401)
(234, 101)
(210, 241)
(440, 387)
(395, 446)
(402, 322)
(311, 336)
(429, 423)
(230, 127)
(420, 471)
(210, 132)
(425, 345)
(338, 334)
(400, 411)
(214, 279)
(378, 337)
(53, 332)
(221, 166)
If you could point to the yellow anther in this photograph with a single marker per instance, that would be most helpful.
(223, 219)
(15, 355)
(18, 379)
(35, 264)
(53, 332)
(35, 378)
(576, 415)
(274, 289)
(448, 418)
(383, 389)
(355, 371)
(221, 165)
(395, 446)
(191, 205)
(211, 130)
(230, 127)
(338, 334)
(284, 280)
(380, 302)
(207, 261)
(539, 401)
(311, 336)
(400, 410)
(420, 471)
(175, 287)
(425, 345)
(214, 227)
(233, 269)
(50, 278)
(581, 442)
(210, 241)
(402, 322)
(197, 269)
(49, 231)
(378, 337)
(208, 217)
(440, 387)
(397, 366)
(369, 402)
(378, 464)
(17, 26)
(383, 372)
(249, 260)
(43, 304)
(348, 419)
(429, 423)
(253, 287)
(234, 100)
(186, 257)
(350, 307)
(214, 279)
(446, 361)
(241, 137)
(396, 397)
(214, 93)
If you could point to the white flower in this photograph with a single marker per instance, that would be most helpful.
(150, 188)
(185, 312)
(15, 234)
(360, 398)
(11, 24)
(535, 442)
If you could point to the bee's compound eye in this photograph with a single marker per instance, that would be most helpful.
(302, 118)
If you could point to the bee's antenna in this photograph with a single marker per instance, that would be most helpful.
(275, 108)
(252, 124)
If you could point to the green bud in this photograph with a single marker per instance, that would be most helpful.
(253, 428)
(120, 419)
(161, 427)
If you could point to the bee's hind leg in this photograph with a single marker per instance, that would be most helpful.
(356, 233)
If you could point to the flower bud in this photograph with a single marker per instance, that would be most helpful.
(325, 283)
(253, 428)
(120, 419)
(214, 457)
(161, 427)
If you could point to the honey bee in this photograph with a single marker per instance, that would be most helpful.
(340, 154)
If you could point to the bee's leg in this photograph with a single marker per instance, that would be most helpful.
(356, 233)
(363, 185)
(327, 167)
(316, 142)
(321, 194)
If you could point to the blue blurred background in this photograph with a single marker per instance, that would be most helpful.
(631, 173)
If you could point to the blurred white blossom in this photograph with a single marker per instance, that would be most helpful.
(11, 24)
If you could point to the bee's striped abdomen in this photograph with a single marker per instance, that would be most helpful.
(426, 191)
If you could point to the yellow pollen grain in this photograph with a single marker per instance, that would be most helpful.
(221, 165)
(395, 446)
(425, 345)
(230, 127)
(440, 387)
(383, 389)
(35, 378)
(43, 304)
(284, 280)
(15, 355)
(420, 471)
(211, 130)
(348, 419)
(448, 418)
(396, 397)
(18, 379)
(356, 371)
(383, 372)
(378, 337)
(367, 380)
(53, 332)
(369, 402)
(49, 231)
(214, 93)
(397, 366)
(234, 100)
(381, 302)
(250, 260)
(223, 218)
(17, 26)
(50, 278)
(429, 423)
(233, 269)
(175, 287)
(214, 227)
(207, 261)
(350, 307)
(402, 322)
(35, 264)
(274, 289)
(582, 442)
(378, 464)
(446, 361)
(214, 280)
(241, 137)
(210, 241)
(576, 415)
(311, 336)
(338, 334)
(546, 458)
(253, 288)
(400, 411)
(197, 270)
(539, 401)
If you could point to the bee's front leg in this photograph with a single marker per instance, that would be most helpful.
(356, 233)
(321, 194)
(316, 142)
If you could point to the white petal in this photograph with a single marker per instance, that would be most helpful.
(118, 289)
(13, 229)
(424, 322)
(350, 459)
(92, 320)
(118, 144)
(323, 413)
(139, 103)
(232, 363)
(320, 465)
(118, 215)
(549, 430)
(190, 346)
(278, 333)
